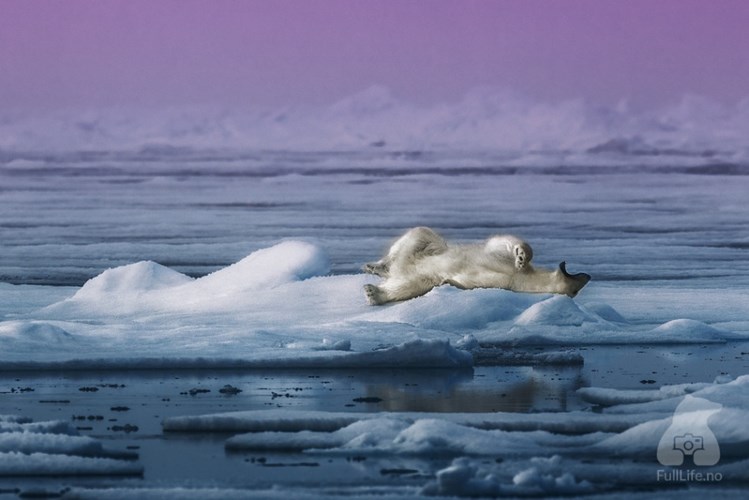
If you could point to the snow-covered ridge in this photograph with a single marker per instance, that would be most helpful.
(278, 307)
(484, 119)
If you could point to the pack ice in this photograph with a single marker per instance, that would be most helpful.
(54, 448)
(539, 453)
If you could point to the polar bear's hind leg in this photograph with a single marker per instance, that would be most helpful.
(417, 243)
(405, 251)
(397, 289)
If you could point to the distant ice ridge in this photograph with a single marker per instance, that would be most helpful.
(579, 452)
(278, 307)
(484, 119)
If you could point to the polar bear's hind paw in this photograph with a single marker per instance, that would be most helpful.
(374, 295)
(521, 257)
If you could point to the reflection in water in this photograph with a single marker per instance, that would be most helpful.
(507, 389)
(177, 459)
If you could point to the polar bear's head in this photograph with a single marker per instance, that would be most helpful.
(569, 284)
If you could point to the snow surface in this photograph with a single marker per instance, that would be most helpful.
(279, 307)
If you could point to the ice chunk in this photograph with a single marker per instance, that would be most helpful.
(689, 328)
(13, 419)
(732, 393)
(11, 423)
(44, 464)
(607, 397)
(32, 442)
(424, 353)
(539, 480)
(289, 421)
(52, 449)
(366, 432)
(466, 477)
(727, 424)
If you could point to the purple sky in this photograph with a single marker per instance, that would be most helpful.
(274, 53)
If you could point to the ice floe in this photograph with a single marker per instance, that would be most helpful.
(54, 449)
(280, 307)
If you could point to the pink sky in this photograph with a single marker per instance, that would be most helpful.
(274, 53)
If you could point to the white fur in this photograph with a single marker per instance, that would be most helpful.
(421, 260)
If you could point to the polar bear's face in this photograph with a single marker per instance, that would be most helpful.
(570, 284)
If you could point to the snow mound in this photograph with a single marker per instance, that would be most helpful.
(558, 311)
(131, 279)
(450, 309)
(269, 267)
(33, 332)
(266, 268)
(442, 437)
(689, 328)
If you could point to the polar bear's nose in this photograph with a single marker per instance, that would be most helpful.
(575, 282)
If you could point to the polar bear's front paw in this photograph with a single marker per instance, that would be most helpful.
(522, 257)
(375, 296)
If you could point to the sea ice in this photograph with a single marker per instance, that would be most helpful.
(54, 449)
(279, 307)
(536, 454)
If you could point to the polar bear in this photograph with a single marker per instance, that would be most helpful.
(421, 260)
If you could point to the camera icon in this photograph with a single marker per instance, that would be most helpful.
(689, 435)
(688, 443)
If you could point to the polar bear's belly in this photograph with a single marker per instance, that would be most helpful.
(466, 268)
